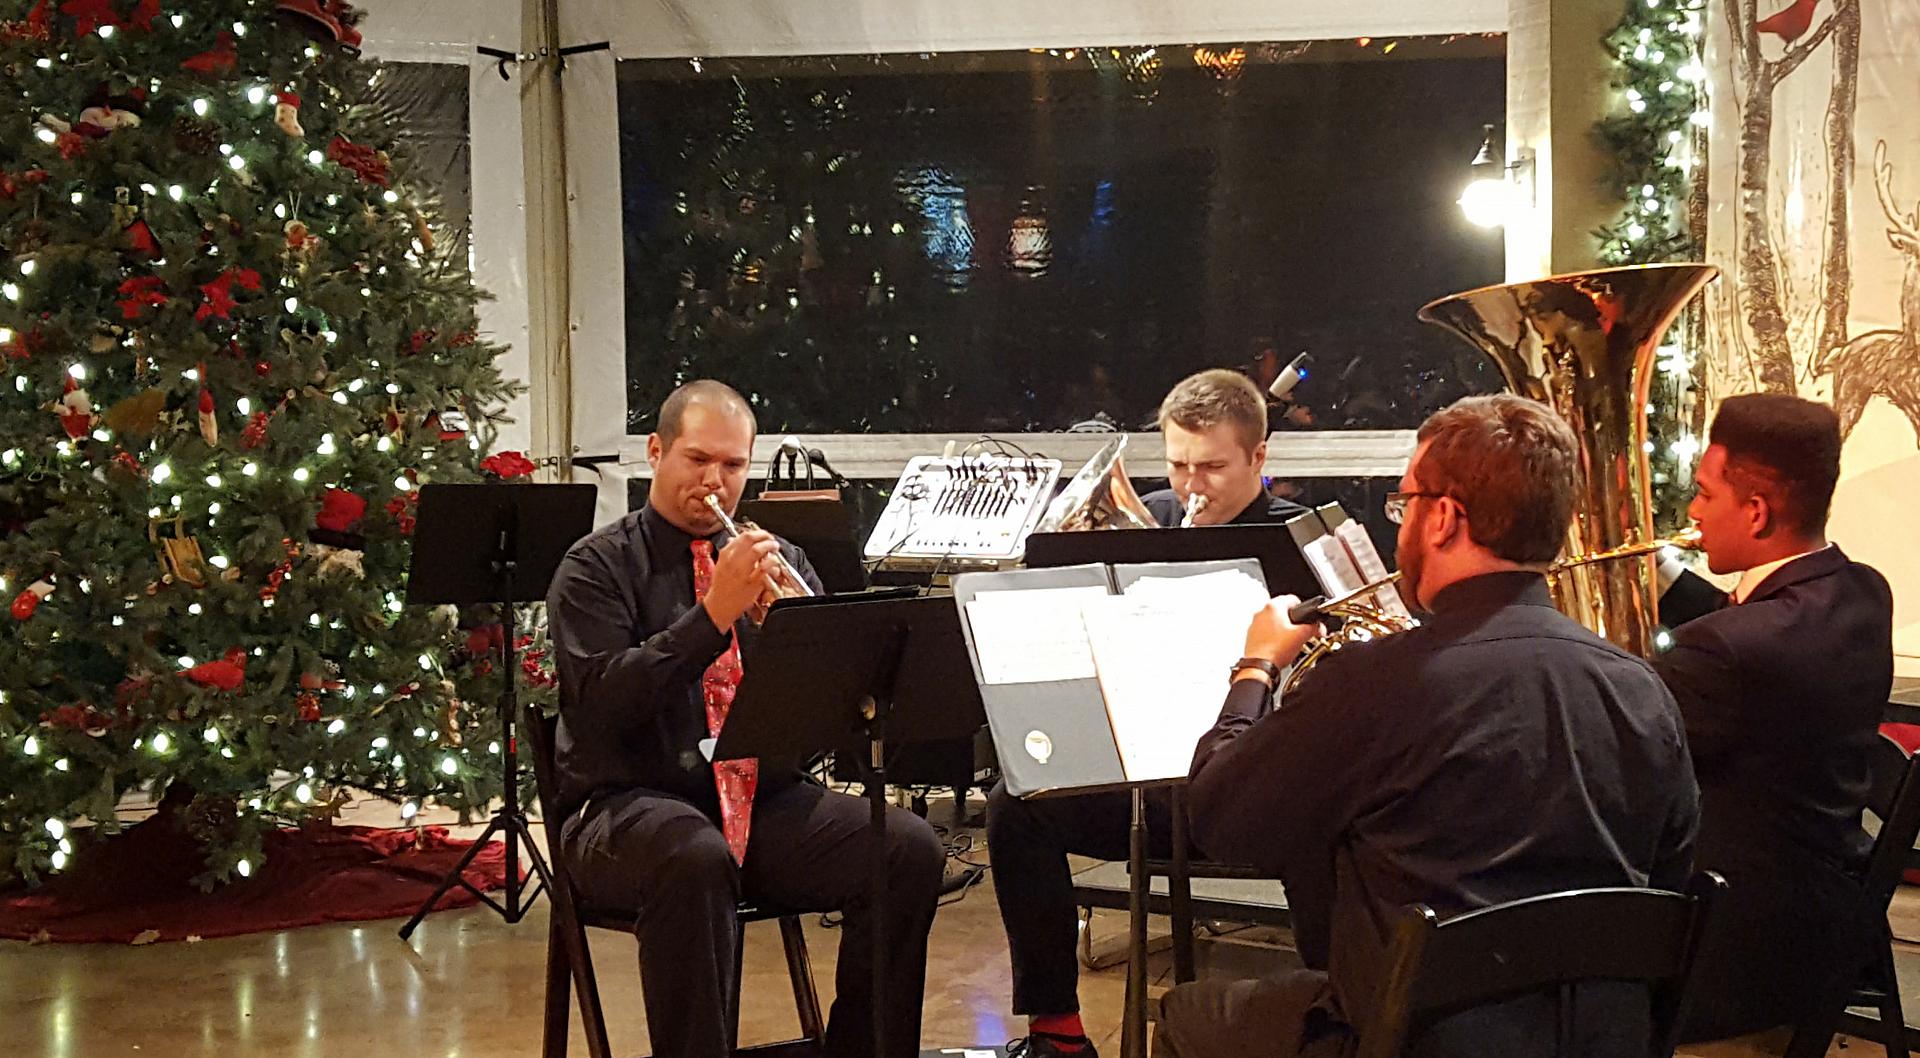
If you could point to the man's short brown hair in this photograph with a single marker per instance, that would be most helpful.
(1784, 448)
(702, 391)
(1203, 401)
(1513, 464)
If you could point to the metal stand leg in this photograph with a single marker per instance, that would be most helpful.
(1180, 892)
(1133, 1031)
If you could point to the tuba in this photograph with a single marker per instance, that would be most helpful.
(1584, 344)
(1098, 497)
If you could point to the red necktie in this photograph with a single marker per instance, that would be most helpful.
(735, 779)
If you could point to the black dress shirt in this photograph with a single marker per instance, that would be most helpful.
(631, 646)
(1166, 508)
(1496, 752)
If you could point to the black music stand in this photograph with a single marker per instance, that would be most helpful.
(1286, 571)
(836, 673)
(1281, 563)
(495, 543)
(821, 527)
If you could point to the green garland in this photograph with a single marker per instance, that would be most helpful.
(1658, 139)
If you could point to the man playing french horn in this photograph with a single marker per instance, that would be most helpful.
(1498, 751)
(645, 620)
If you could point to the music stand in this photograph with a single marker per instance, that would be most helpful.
(820, 526)
(836, 673)
(1282, 565)
(495, 543)
(1286, 571)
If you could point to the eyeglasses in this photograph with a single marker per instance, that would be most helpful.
(1397, 503)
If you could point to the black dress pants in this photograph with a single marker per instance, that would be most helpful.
(807, 850)
(1028, 842)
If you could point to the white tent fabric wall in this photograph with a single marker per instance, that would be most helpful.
(708, 28)
(447, 31)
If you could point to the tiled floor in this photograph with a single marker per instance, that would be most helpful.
(469, 986)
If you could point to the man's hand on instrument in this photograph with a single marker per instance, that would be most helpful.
(740, 577)
(1272, 636)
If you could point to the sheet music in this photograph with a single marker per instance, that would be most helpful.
(1367, 559)
(1032, 635)
(1162, 652)
(1332, 566)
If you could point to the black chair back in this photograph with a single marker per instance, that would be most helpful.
(1430, 968)
(1893, 798)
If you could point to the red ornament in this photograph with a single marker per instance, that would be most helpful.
(36, 27)
(339, 510)
(255, 434)
(419, 339)
(71, 144)
(219, 293)
(364, 162)
(25, 603)
(402, 508)
(25, 344)
(485, 639)
(89, 15)
(507, 465)
(141, 238)
(209, 426)
(216, 60)
(125, 461)
(309, 706)
(262, 368)
(141, 292)
(227, 674)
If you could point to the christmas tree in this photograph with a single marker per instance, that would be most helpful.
(231, 352)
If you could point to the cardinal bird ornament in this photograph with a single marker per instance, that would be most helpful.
(227, 674)
(1791, 22)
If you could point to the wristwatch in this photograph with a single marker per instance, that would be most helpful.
(1262, 665)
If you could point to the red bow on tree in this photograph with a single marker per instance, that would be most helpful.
(143, 15)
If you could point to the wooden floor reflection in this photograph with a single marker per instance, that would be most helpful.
(469, 986)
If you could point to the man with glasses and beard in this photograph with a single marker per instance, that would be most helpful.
(1498, 751)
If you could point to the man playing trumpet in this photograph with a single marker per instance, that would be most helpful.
(1215, 427)
(646, 620)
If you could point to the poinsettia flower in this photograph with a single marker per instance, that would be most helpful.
(507, 465)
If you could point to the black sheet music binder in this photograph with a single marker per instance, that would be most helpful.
(1057, 735)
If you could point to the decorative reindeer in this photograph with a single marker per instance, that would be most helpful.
(1883, 363)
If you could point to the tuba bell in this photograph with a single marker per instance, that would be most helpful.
(1584, 344)
(1098, 497)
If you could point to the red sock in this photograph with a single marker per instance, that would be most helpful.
(1060, 1025)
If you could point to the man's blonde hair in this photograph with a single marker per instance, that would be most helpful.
(1203, 401)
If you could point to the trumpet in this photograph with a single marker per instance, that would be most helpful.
(785, 582)
(1195, 504)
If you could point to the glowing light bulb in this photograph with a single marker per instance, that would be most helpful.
(106, 32)
(336, 727)
(447, 766)
(408, 810)
(213, 480)
(237, 163)
(176, 192)
(161, 743)
(256, 95)
(200, 107)
(315, 158)
(57, 829)
(160, 473)
(301, 474)
(31, 747)
(59, 859)
(212, 735)
(244, 868)
(303, 793)
(27, 267)
(78, 371)
(391, 197)
(402, 483)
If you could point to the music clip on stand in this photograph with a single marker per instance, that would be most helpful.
(498, 544)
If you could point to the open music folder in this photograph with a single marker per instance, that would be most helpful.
(1101, 676)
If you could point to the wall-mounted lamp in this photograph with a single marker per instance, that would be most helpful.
(1496, 185)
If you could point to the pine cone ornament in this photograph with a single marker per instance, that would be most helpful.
(194, 136)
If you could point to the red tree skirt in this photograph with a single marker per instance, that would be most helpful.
(135, 887)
